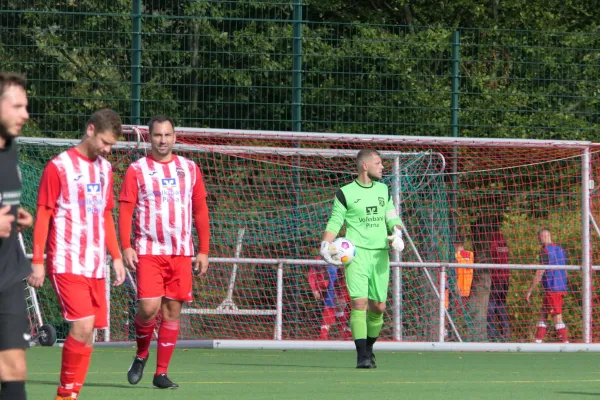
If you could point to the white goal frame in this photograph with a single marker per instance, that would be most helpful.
(228, 307)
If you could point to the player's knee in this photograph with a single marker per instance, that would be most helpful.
(378, 308)
(359, 304)
(557, 319)
(13, 366)
(171, 310)
(83, 330)
(147, 311)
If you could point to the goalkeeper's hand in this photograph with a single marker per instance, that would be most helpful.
(326, 254)
(396, 240)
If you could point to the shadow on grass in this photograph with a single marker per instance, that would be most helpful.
(91, 384)
(245, 364)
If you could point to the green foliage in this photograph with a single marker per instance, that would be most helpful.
(368, 66)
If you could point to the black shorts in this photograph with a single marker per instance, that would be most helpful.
(14, 323)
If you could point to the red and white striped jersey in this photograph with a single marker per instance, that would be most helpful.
(163, 194)
(79, 191)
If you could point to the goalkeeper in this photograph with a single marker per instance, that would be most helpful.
(367, 208)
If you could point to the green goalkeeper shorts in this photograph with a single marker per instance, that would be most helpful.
(368, 275)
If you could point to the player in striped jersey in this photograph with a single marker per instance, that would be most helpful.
(74, 219)
(167, 192)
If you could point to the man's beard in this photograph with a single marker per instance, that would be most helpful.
(373, 178)
(8, 138)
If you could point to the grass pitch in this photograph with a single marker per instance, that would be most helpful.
(288, 375)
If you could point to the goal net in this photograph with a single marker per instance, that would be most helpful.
(270, 195)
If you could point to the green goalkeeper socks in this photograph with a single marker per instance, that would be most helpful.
(374, 324)
(358, 324)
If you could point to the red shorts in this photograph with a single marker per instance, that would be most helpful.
(81, 297)
(164, 276)
(553, 302)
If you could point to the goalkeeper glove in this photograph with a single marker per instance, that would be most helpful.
(327, 255)
(396, 240)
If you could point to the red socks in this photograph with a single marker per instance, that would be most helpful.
(75, 363)
(561, 329)
(328, 317)
(167, 339)
(540, 334)
(143, 335)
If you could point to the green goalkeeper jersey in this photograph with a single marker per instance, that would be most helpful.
(368, 211)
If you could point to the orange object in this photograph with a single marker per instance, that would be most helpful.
(447, 299)
(464, 276)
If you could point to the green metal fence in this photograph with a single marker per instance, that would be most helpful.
(261, 65)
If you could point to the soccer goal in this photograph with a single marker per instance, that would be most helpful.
(270, 194)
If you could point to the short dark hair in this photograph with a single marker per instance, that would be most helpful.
(8, 79)
(105, 120)
(364, 154)
(159, 119)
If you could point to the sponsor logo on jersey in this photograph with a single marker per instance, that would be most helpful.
(371, 210)
(94, 202)
(93, 188)
(169, 182)
(373, 219)
(170, 190)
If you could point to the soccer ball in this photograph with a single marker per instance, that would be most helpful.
(342, 250)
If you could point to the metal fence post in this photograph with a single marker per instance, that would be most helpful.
(136, 62)
(297, 127)
(297, 67)
(454, 106)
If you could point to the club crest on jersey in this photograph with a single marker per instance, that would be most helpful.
(170, 182)
(101, 179)
(381, 201)
(180, 172)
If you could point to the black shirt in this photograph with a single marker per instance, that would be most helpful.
(14, 265)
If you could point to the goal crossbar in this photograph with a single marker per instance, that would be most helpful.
(363, 138)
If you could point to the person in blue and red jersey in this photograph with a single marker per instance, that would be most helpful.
(327, 284)
(555, 286)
